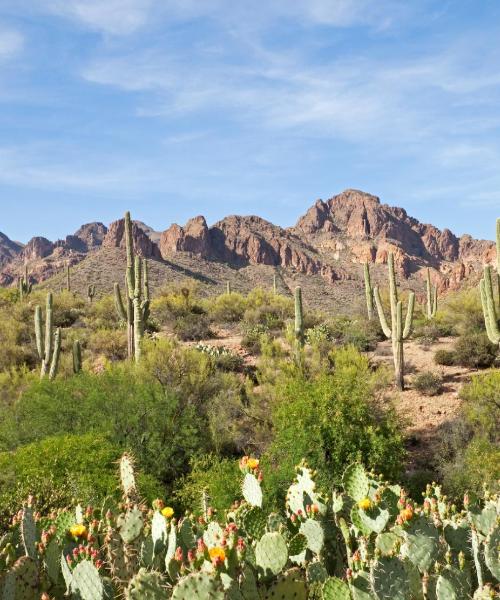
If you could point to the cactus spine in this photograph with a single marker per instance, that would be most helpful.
(368, 292)
(77, 357)
(48, 346)
(432, 296)
(396, 332)
(136, 311)
(24, 284)
(490, 310)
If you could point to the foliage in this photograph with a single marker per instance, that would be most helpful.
(226, 308)
(110, 343)
(462, 312)
(474, 350)
(192, 327)
(444, 357)
(428, 383)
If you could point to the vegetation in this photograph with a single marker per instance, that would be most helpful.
(283, 384)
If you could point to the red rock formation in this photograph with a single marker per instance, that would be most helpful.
(37, 247)
(194, 237)
(143, 246)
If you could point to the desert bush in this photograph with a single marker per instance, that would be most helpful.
(102, 313)
(447, 358)
(475, 351)
(17, 343)
(226, 308)
(469, 457)
(268, 309)
(223, 358)
(462, 312)
(252, 336)
(175, 301)
(330, 421)
(428, 383)
(193, 327)
(358, 332)
(110, 343)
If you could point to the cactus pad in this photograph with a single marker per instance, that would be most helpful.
(87, 581)
(198, 586)
(390, 580)
(159, 531)
(130, 525)
(251, 490)
(316, 572)
(452, 584)
(314, 533)
(297, 544)
(374, 519)
(335, 589)
(387, 543)
(484, 519)
(302, 493)
(213, 535)
(356, 482)
(360, 586)
(146, 585)
(271, 553)
(254, 522)
(492, 552)
(127, 475)
(28, 532)
(289, 586)
(21, 582)
(421, 543)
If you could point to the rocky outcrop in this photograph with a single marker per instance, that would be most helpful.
(8, 249)
(36, 248)
(194, 237)
(91, 234)
(143, 245)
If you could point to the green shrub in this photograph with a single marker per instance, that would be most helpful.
(226, 308)
(110, 343)
(192, 327)
(428, 383)
(175, 301)
(470, 452)
(331, 421)
(102, 314)
(252, 337)
(462, 313)
(223, 358)
(474, 350)
(446, 358)
(218, 477)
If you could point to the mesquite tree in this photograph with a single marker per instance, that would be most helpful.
(396, 331)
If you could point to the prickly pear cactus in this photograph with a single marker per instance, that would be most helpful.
(313, 532)
(146, 585)
(492, 552)
(22, 581)
(127, 476)
(289, 585)
(335, 589)
(390, 579)
(87, 582)
(198, 586)
(271, 553)
(254, 522)
(453, 584)
(303, 493)
(356, 482)
(251, 490)
(130, 525)
(29, 532)
(422, 543)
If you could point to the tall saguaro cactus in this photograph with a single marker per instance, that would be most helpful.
(136, 310)
(491, 309)
(368, 292)
(68, 277)
(24, 284)
(432, 296)
(90, 292)
(396, 331)
(275, 284)
(299, 325)
(48, 343)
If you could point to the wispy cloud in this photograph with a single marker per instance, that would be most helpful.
(11, 43)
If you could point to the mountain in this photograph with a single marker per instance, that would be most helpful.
(323, 252)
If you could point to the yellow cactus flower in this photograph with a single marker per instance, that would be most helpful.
(365, 504)
(78, 531)
(406, 514)
(253, 463)
(217, 554)
(167, 512)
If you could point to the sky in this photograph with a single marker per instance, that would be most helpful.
(174, 108)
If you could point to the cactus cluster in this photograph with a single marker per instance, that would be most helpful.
(48, 343)
(24, 285)
(431, 296)
(398, 331)
(491, 307)
(135, 311)
(367, 541)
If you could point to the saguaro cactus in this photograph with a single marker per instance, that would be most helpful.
(48, 345)
(299, 324)
(275, 284)
(68, 277)
(491, 309)
(228, 287)
(24, 284)
(396, 332)
(432, 296)
(136, 311)
(90, 293)
(368, 292)
(77, 357)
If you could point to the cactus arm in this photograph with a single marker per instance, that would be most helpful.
(489, 311)
(435, 301)
(488, 288)
(393, 290)
(381, 315)
(129, 244)
(68, 278)
(120, 309)
(77, 357)
(48, 328)
(299, 318)
(494, 333)
(56, 353)
(409, 315)
(368, 291)
(38, 331)
(138, 323)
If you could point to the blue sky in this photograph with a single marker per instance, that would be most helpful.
(172, 108)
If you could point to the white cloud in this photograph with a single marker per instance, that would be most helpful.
(11, 43)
